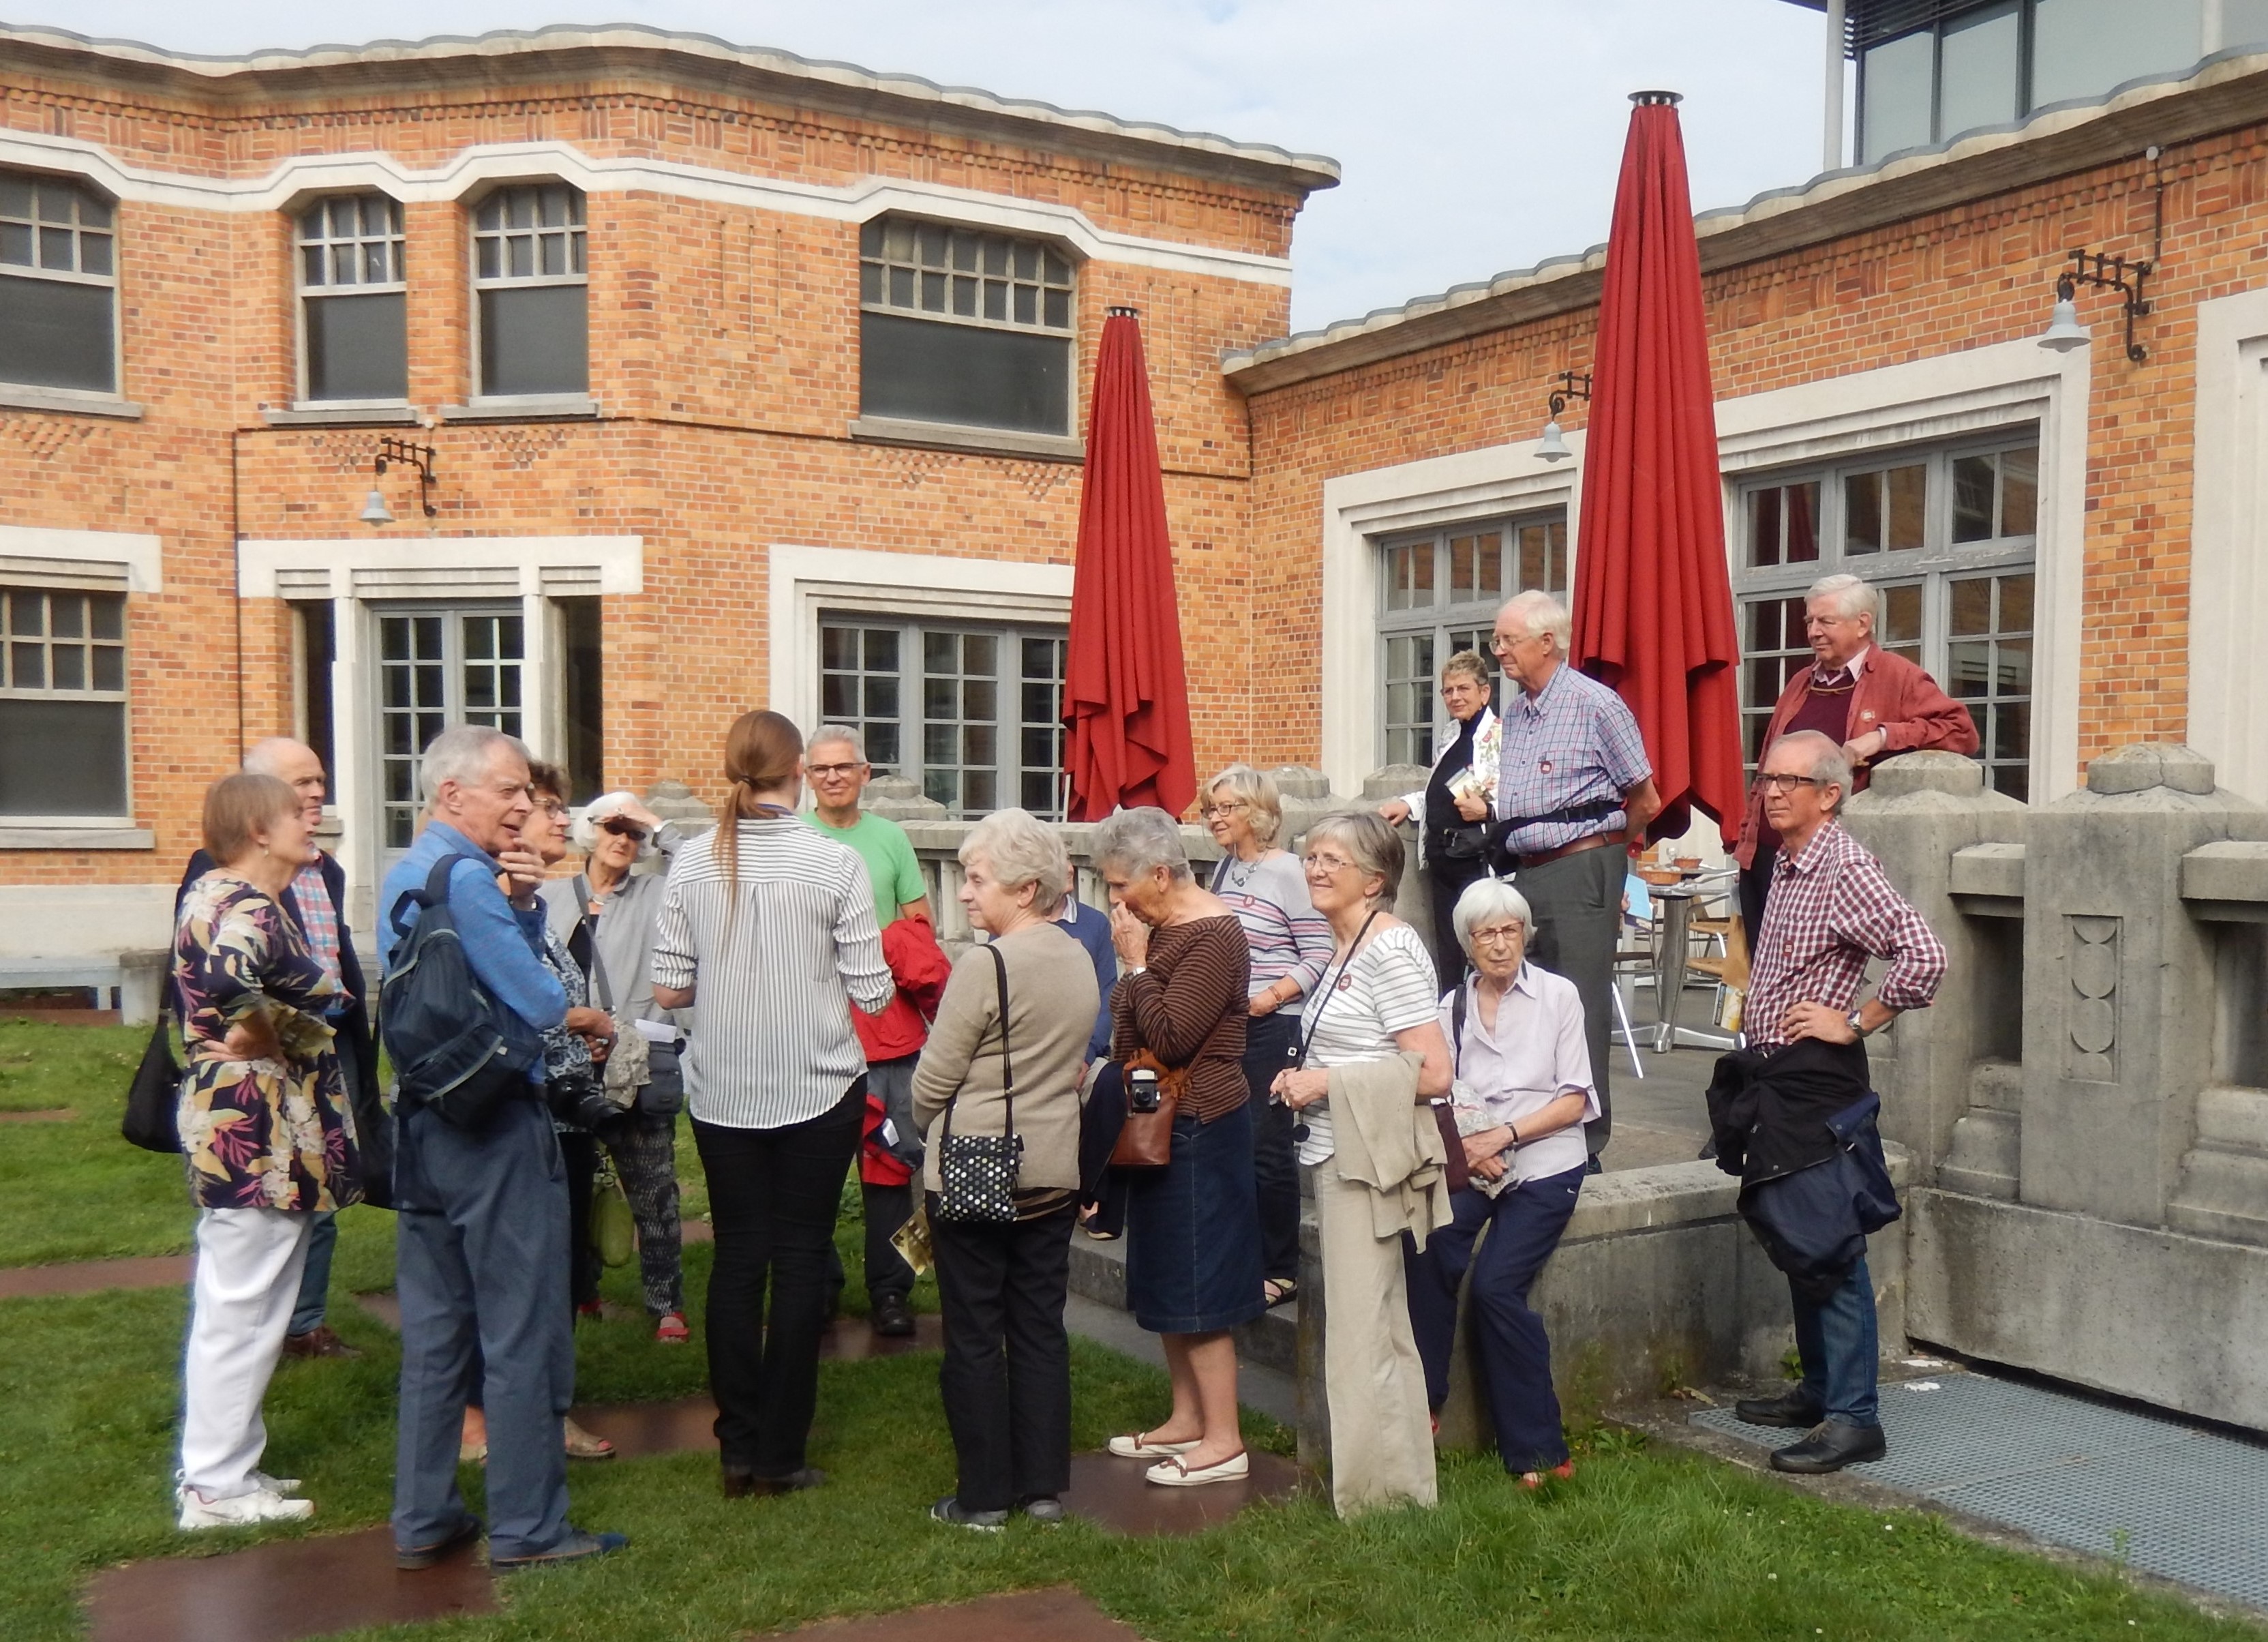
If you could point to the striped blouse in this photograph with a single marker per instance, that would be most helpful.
(774, 977)
(1287, 935)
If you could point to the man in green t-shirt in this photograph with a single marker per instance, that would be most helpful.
(834, 765)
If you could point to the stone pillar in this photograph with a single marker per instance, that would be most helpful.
(897, 798)
(1415, 903)
(1308, 798)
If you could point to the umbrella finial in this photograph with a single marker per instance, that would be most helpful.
(1657, 99)
(1122, 311)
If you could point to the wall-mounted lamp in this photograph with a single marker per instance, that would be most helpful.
(2065, 329)
(374, 510)
(1553, 447)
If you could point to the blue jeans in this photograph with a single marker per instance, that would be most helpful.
(1838, 1343)
(481, 1269)
(315, 1281)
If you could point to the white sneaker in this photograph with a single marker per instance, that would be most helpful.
(286, 1486)
(262, 1505)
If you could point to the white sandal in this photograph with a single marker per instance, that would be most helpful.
(1174, 1474)
(1139, 1446)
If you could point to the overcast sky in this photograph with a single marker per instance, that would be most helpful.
(1476, 135)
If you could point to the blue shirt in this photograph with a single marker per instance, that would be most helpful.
(503, 944)
(1571, 745)
(1091, 930)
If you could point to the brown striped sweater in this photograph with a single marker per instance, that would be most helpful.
(1188, 1008)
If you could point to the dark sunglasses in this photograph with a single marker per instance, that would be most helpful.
(623, 829)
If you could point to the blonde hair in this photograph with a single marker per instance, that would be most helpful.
(239, 807)
(1376, 846)
(1257, 790)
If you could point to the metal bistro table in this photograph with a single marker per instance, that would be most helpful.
(1675, 903)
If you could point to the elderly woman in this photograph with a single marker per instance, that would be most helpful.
(1290, 943)
(1522, 1094)
(267, 1133)
(1193, 1268)
(1376, 1003)
(1006, 1376)
(606, 916)
(1453, 810)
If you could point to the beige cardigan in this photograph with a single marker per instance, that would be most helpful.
(1052, 999)
(1385, 1140)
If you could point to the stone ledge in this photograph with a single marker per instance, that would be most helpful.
(2230, 870)
(1674, 1195)
(314, 413)
(992, 441)
(21, 397)
(1995, 869)
(525, 408)
(77, 838)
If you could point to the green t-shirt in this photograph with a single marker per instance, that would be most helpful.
(891, 865)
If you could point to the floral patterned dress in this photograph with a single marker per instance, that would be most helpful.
(261, 1134)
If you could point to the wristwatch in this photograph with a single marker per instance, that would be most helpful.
(1857, 1022)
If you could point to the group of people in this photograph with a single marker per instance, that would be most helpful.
(1161, 1073)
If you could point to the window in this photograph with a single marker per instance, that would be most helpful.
(529, 278)
(314, 648)
(1440, 593)
(1946, 537)
(582, 699)
(439, 667)
(973, 712)
(58, 286)
(353, 304)
(63, 703)
(966, 327)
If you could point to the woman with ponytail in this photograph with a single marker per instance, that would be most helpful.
(766, 934)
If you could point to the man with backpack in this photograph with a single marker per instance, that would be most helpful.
(481, 1195)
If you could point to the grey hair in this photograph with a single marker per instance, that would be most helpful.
(1829, 766)
(585, 834)
(260, 758)
(1473, 665)
(1376, 846)
(1142, 841)
(1852, 596)
(1489, 901)
(462, 753)
(842, 733)
(1021, 849)
(1256, 789)
(1539, 612)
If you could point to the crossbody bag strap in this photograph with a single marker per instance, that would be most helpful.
(590, 930)
(1322, 993)
(1007, 1071)
(1457, 1031)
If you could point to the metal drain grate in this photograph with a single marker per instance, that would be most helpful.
(2169, 1500)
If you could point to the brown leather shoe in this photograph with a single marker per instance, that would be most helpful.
(318, 1341)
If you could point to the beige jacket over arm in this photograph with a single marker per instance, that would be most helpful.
(1391, 1144)
(1052, 998)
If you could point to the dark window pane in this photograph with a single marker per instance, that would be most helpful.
(839, 697)
(27, 613)
(67, 615)
(1862, 513)
(882, 745)
(2019, 492)
(870, 282)
(319, 649)
(882, 697)
(27, 666)
(94, 253)
(1972, 498)
(584, 698)
(63, 758)
(927, 371)
(358, 347)
(2015, 667)
(2015, 604)
(534, 341)
(108, 613)
(976, 791)
(110, 667)
(881, 650)
(1901, 615)
(69, 664)
(1802, 522)
(937, 700)
(1968, 668)
(1909, 490)
(938, 650)
(838, 647)
(1972, 605)
(15, 243)
(53, 334)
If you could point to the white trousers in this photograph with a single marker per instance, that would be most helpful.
(248, 1281)
(1374, 1380)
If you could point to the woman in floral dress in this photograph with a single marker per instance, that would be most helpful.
(267, 1133)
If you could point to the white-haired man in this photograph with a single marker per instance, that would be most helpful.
(1870, 702)
(1792, 1113)
(1575, 784)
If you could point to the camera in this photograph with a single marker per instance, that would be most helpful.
(1142, 1090)
(579, 1099)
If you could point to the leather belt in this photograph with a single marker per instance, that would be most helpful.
(1591, 840)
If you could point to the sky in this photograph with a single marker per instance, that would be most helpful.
(1475, 136)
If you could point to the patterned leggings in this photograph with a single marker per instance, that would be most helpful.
(645, 1157)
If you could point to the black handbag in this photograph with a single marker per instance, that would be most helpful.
(976, 1173)
(1469, 842)
(153, 1100)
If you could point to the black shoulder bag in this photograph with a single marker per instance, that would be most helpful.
(976, 1173)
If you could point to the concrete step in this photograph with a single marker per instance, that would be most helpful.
(1097, 1273)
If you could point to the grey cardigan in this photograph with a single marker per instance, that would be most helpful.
(1052, 997)
(624, 944)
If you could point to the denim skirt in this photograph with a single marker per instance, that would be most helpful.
(1193, 1232)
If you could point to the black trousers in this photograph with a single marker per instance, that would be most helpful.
(887, 1208)
(579, 1151)
(1447, 881)
(1756, 886)
(1268, 1042)
(772, 1196)
(1006, 1377)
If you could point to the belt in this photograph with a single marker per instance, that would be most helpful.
(1590, 840)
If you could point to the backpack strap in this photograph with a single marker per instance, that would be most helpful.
(436, 892)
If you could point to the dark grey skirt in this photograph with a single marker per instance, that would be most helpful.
(1193, 1259)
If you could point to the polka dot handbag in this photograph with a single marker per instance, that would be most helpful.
(976, 1173)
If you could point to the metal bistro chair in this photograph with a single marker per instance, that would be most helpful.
(1675, 958)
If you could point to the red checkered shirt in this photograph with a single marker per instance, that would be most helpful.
(1831, 909)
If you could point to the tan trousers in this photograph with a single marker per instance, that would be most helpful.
(1374, 1380)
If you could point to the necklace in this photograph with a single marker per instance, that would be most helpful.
(1239, 872)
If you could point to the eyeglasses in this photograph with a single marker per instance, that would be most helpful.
(1504, 935)
(1503, 646)
(1328, 863)
(1235, 806)
(551, 806)
(623, 829)
(1788, 783)
(819, 772)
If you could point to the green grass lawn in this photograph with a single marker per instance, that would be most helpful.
(1642, 1544)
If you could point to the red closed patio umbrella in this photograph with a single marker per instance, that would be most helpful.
(1653, 603)
(1125, 701)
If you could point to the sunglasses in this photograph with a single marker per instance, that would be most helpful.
(623, 829)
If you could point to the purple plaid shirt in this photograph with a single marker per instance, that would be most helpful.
(1574, 743)
(319, 920)
(1831, 909)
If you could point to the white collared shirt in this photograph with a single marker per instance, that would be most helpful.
(1850, 670)
(1536, 1053)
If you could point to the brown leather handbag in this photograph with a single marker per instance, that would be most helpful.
(1147, 1140)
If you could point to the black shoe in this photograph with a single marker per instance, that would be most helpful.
(744, 1484)
(1830, 1446)
(893, 1319)
(1790, 1409)
(577, 1547)
(950, 1511)
(1592, 1165)
(1045, 1509)
(422, 1556)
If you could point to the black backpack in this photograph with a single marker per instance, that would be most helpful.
(454, 1048)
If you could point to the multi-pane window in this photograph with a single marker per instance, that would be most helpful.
(973, 712)
(528, 275)
(1947, 537)
(1439, 595)
(439, 667)
(58, 284)
(63, 703)
(353, 302)
(959, 326)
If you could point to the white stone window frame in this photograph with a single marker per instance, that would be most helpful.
(2228, 544)
(305, 292)
(84, 561)
(84, 401)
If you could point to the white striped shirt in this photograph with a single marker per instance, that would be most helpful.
(770, 1038)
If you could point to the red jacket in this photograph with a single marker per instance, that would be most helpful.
(1893, 696)
(920, 968)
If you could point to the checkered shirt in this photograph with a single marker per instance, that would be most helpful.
(1574, 743)
(319, 920)
(1831, 909)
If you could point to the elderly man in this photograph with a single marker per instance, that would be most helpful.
(1874, 704)
(481, 1240)
(1574, 785)
(1793, 1114)
(315, 900)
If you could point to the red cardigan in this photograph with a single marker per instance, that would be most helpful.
(1893, 696)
